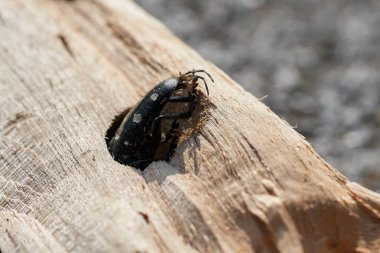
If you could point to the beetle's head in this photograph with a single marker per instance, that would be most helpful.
(189, 80)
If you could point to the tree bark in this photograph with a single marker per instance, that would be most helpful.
(247, 183)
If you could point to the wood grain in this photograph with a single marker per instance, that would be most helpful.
(252, 185)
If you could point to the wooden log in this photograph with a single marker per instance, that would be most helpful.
(252, 185)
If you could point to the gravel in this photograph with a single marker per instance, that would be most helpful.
(317, 60)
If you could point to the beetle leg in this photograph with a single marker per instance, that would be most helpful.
(156, 131)
(174, 140)
(172, 131)
(183, 115)
(181, 99)
(167, 146)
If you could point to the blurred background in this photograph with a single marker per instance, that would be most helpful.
(317, 60)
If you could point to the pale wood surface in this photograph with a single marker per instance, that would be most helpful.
(253, 185)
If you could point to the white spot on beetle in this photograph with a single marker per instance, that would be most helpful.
(171, 82)
(126, 143)
(137, 118)
(154, 96)
(116, 137)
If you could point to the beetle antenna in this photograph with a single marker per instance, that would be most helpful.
(204, 71)
(199, 70)
(193, 71)
(204, 81)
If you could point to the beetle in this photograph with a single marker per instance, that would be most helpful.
(139, 136)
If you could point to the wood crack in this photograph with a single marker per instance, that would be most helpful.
(66, 44)
(17, 119)
(132, 44)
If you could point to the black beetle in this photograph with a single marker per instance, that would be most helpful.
(139, 136)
